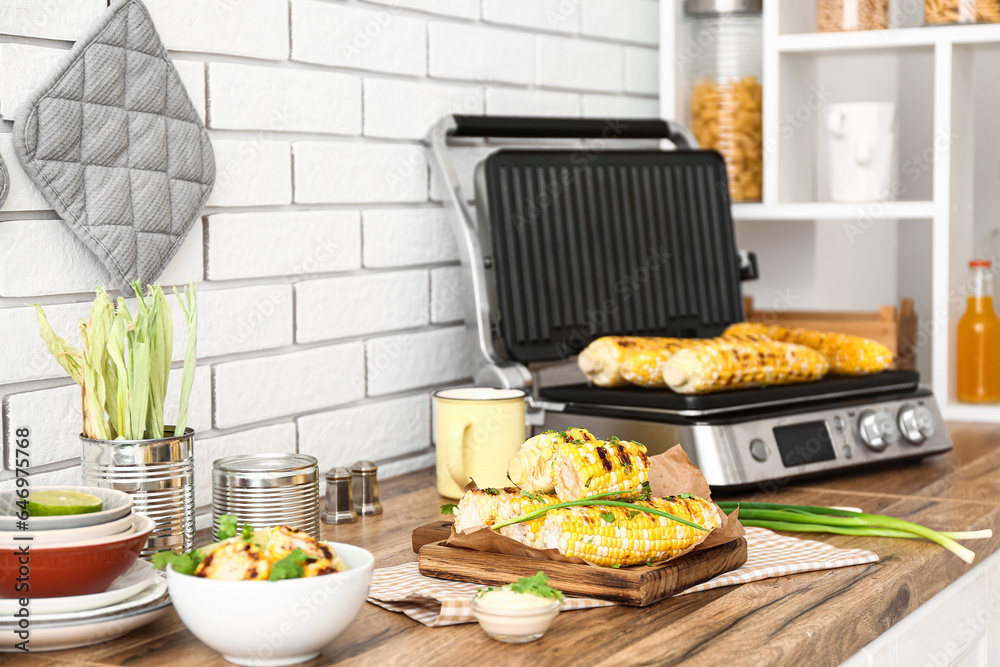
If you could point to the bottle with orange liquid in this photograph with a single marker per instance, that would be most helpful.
(979, 340)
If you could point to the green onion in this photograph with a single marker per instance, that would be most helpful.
(813, 519)
(595, 501)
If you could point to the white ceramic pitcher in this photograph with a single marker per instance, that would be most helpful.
(861, 138)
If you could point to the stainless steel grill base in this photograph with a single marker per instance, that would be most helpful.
(742, 452)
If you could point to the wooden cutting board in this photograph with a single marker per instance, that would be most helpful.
(637, 586)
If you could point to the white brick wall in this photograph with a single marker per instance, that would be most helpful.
(401, 237)
(253, 28)
(371, 431)
(356, 305)
(249, 245)
(254, 390)
(331, 295)
(22, 66)
(410, 361)
(252, 172)
(327, 173)
(52, 19)
(270, 98)
(376, 39)
(425, 102)
(481, 54)
(557, 15)
(559, 61)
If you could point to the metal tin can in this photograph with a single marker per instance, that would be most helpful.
(267, 490)
(158, 474)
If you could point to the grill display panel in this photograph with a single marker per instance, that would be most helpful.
(800, 444)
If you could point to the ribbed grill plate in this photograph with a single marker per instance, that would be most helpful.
(587, 244)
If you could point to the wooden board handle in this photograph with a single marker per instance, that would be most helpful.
(430, 533)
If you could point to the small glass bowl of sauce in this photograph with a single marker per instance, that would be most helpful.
(514, 618)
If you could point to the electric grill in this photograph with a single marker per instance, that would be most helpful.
(569, 244)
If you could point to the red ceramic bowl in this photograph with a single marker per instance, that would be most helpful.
(78, 568)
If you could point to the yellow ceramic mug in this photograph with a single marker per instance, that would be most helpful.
(478, 430)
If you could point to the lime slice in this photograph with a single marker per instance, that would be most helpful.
(58, 503)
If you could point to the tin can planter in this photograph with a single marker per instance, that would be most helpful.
(158, 474)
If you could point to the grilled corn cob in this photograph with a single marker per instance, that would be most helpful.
(235, 561)
(603, 360)
(722, 364)
(632, 537)
(533, 467)
(848, 355)
(526, 532)
(584, 469)
(481, 507)
(640, 367)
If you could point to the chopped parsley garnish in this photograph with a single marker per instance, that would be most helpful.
(182, 563)
(449, 508)
(685, 496)
(633, 514)
(228, 527)
(616, 565)
(608, 516)
(492, 492)
(247, 533)
(537, 585)
(290, 567)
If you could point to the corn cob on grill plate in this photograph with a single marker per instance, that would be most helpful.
(696, 405)
(636, 586)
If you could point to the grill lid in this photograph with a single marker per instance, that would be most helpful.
(587, 244)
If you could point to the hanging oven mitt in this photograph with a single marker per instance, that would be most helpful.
(116, 146)
(4, 181)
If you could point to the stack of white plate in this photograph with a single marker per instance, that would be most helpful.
(136, 598)
(86, 583)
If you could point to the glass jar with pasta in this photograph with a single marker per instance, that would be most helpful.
(845, 15)
(721, 51)
(961, 11)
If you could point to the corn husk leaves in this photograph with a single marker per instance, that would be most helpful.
(124, 364)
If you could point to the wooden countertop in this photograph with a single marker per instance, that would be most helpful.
(818, 618)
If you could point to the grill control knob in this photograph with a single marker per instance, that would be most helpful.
(877, 430)
(916, 423)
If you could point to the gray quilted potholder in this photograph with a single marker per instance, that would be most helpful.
(4, 182)
(116, 146)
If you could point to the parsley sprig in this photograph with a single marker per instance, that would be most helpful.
(537, 585)
(182, 563)
(291, 566)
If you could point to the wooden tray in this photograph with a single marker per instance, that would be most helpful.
(633, 586)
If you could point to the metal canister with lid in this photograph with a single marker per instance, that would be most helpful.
(722, 52)
(267, 490)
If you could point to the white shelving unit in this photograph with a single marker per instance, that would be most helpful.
(929, 73)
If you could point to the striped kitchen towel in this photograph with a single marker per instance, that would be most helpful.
(437, 602)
